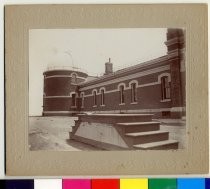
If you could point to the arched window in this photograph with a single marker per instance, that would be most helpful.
(94, 98)
(102, 97)
(73, 100)
(122, 95)
(73, 77)
(165, 88)
(133, 93)
(82, 99)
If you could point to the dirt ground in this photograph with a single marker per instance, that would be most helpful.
(52, 133)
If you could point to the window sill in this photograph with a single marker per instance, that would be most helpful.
(166, 100)
(102, 105)
(134, 102)
(73, 107)
(122, 104)
(94, 106)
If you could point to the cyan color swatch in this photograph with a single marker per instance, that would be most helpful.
(191, 183)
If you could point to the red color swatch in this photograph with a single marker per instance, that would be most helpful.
(105, 184)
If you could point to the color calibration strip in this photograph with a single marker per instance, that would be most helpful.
(143, 183)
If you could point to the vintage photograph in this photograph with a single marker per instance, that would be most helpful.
(107, 89)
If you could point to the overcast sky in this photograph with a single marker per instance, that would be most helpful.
(88, 49)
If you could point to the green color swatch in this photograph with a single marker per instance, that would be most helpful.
(162, 184)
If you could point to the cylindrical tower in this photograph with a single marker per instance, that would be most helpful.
(60, 94)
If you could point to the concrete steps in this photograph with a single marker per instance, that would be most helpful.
(139, 126)
(161, 145)
(146, 135)
(122, 131)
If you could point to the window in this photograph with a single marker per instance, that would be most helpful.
(133, 93)
(102, 97)
(122, 97)
(74, 78)
(82, 100)
(73, 99)
(94, 98)
(165, 88)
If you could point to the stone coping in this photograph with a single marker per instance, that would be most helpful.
(116, 115)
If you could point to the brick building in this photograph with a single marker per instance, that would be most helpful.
(156, 86)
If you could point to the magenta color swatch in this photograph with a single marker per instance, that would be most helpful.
(76, 184)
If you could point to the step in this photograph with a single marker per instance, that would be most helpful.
(161, 145)
(139, 126)
(149, 136)
(115, 118)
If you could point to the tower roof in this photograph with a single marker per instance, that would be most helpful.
(63, 61)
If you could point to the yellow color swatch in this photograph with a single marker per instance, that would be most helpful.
(134, 183)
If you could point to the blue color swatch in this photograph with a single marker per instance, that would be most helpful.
(191, 183)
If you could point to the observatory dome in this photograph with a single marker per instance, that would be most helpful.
(61, 60)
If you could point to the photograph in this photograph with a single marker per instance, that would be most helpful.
(107, 89)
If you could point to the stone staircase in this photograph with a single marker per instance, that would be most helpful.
(122, 131)
(146, 136)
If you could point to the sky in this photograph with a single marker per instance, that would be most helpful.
(88, 49)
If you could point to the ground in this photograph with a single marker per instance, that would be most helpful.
(52, 133)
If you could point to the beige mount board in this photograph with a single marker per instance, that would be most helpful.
(19, 19)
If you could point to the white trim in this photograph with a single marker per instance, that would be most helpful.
(122, 104)
(76, 96)
(134, 102)
(130, 86)
(166, 100)
(128, 77)
(177, 109)
(88, 95)
(94, 106)
(162, 75)
(94, 90)
(133, 81)
(82, 96)
(82, 93)
(73, 74)
(103, 89)
(137, 111)
(127, 88)
(60, 111)
(73, 92)
(172, 41)
(173, 54)
(138, 86)
(121, 84)
(57, 96)
(55, 76)
(52, 76)
(94, 97)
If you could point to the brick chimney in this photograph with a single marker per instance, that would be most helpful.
(108, 67)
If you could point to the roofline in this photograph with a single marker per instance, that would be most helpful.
(140, 65)
(64, 70)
